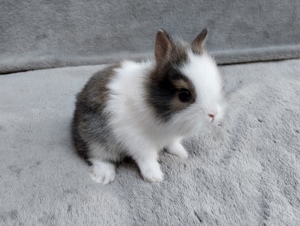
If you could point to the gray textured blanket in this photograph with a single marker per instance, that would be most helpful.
(246, 173)
(44, 34)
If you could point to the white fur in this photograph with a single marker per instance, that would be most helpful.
(149, 166)
(102, 172)
(204, 74)
(135, 125)
(177, 149)
(99, 152)
(132, 120)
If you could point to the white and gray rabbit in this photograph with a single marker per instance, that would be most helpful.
(137, 109)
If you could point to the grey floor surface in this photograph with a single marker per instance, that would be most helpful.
(245, 173)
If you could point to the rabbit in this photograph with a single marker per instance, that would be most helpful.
(137, 109)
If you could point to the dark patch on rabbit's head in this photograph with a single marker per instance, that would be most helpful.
(164, 94)
(168, 90)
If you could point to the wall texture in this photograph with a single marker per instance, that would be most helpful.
(43, 34)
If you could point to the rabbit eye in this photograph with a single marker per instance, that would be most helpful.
(184, 95)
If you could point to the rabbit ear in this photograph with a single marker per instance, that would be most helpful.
(163, 45)
(199, 42)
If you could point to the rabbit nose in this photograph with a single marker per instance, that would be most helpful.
(211, 115)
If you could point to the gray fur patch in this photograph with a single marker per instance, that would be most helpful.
(90, 122)
(166, 81)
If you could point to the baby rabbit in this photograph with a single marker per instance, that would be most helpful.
(137, 109)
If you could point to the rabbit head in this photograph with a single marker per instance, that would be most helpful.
(185, 88)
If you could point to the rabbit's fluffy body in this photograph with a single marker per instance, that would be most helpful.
(137, 109)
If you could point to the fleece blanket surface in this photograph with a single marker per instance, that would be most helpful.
(246, 172)
(43, 34)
